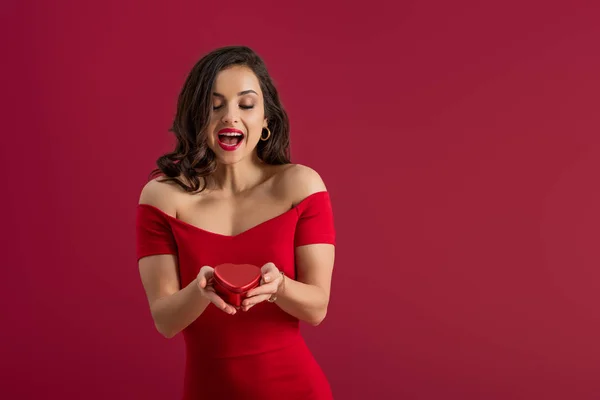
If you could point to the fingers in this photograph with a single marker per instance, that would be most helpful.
(219, 302)
(269, 271)
(258, 295)
(206, 271)
(268, 288)
(205, 276)
(269, 285)
(202, 282)
(205, 282)
(250, 302)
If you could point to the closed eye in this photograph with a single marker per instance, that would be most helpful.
(244, 107)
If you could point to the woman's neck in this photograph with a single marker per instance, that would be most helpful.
(232, 179)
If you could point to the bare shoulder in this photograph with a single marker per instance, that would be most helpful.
(162, 195)
(300, 181)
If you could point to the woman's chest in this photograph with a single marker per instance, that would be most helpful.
(233, 216)
(269, 241)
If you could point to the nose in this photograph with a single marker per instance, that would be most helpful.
(230, 116)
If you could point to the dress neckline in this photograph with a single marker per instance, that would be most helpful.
(251, 229)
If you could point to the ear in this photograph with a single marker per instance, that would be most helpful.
(266, 123)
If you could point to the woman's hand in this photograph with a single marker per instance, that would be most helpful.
(205, 284)
(271, 285)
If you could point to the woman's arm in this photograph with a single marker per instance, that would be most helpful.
(173, 308)
(307, 297)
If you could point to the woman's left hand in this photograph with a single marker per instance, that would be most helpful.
(270, 286)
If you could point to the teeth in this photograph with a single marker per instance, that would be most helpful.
(230, 134)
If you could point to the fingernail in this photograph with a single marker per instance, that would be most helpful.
(267, 277)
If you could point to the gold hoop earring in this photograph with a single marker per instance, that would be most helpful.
(268, 135)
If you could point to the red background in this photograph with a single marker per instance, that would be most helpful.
(459, 141)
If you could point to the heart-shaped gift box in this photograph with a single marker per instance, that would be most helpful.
(233, 281)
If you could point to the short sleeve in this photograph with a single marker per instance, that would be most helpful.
(153, 232)
(315, 220)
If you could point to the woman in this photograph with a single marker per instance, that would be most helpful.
(229, 194)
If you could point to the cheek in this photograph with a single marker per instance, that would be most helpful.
(210, 129)
(255, 122)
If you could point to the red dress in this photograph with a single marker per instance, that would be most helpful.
(259, 354)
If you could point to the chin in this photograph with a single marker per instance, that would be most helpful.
(229, 159)
(222, 161)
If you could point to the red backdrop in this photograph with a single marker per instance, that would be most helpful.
(459, 142)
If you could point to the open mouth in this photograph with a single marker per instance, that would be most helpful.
(230, 138)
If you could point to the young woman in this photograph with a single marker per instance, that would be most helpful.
(228, 193)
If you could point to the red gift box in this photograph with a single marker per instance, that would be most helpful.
(233, 281)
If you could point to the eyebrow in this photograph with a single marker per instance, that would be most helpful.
(239, 94)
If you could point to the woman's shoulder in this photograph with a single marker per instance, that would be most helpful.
(299, 181)
(160, 194)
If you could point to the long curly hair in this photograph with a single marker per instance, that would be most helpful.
(192, 159)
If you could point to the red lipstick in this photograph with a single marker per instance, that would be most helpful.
(230, 139)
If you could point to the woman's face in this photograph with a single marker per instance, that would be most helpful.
(237, 115)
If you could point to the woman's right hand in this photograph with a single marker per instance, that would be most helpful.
(205, 284)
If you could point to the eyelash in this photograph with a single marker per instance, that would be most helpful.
(244, 107)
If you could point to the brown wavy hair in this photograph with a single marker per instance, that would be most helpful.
(192, 159)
